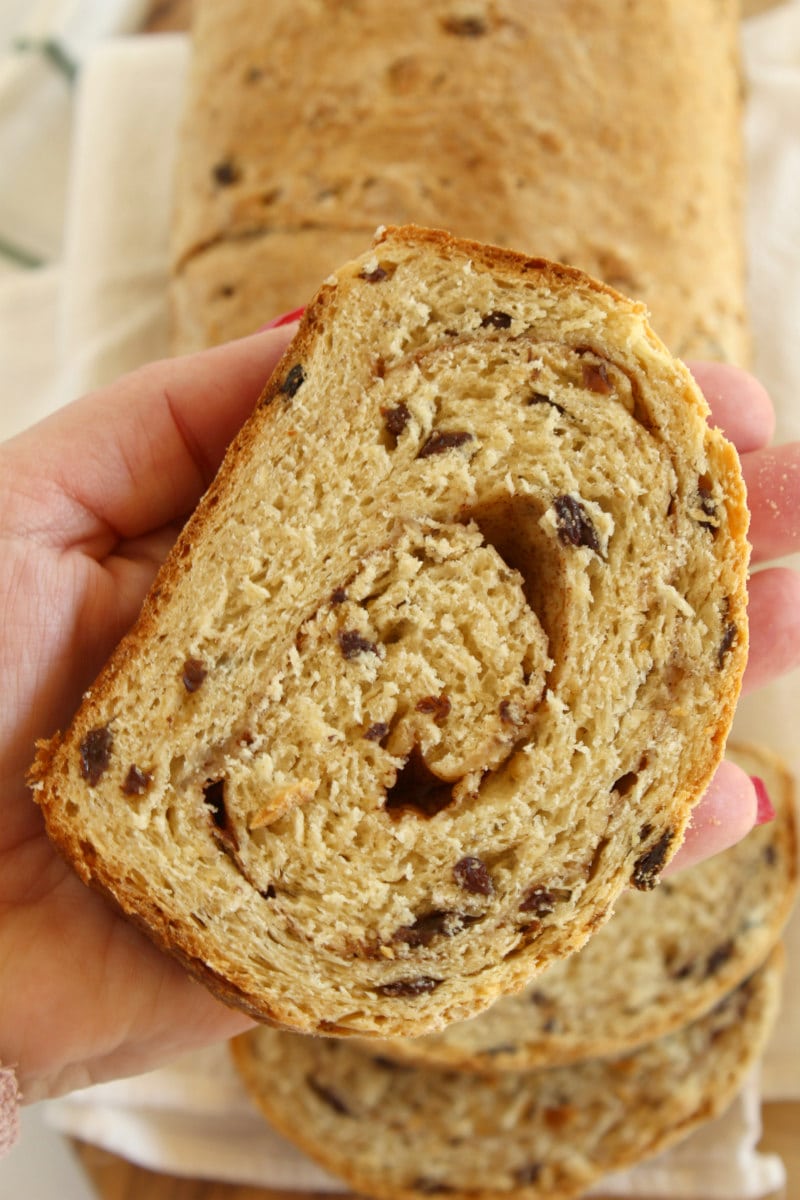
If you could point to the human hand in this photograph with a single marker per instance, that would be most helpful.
(90, 502)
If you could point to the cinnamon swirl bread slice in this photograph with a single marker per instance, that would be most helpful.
(441, 663)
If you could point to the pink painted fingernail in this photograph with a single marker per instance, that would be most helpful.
(765, 811)
(285, 319)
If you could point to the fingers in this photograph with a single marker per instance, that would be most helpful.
(138, 454)
(722, 818)
(740, 405)
(774, 619)
(773, 494)
(741, 408)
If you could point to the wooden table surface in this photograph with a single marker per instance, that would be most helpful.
(116, 1179)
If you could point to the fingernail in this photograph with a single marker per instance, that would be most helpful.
(285, 319)
(765, 811)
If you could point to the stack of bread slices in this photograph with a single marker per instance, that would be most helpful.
(607, 1058)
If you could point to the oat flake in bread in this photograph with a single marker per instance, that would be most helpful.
(403, 1133)
(665, 957)
(442, 661)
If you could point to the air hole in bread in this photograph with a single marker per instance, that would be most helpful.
(417, 790)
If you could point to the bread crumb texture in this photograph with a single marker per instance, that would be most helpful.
(441, 663)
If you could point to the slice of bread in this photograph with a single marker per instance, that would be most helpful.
(402, 1133)
(440, 665)
(664, 958)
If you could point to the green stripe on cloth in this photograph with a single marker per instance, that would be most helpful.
(51, 50)
(16, 254)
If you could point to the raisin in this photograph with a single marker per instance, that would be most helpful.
(528, 1173)
(473, 876)
(557, 1116)
(595, 378)
(436, 706)
(226, 173)
(269, 892)
(136, 781)
(718, 957)
(96, 754)
(352, 643)
(647, 868)
(377, 276)
(497, 320)
(194, 672)
(339, 596)
(442, 440)
(543, 398)
(395, 419)
(293, 381)
(328, 1096)
(574, 526)
(420, 986)
(377, 732)
(707, 504)
(727, 641)
(466, 27)
(428, 927)
(538, 900)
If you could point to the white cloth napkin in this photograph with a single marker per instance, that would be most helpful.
(42, 46)
(102, 310)
(194, 1119)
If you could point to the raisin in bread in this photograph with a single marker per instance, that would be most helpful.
(608, 132)
(441, 663)
(664, 958)
(400, 1132)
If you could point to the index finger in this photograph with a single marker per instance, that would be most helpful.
(740, 404)
(136, 455)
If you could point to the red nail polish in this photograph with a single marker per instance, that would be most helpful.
(285, 319)
(765, 811)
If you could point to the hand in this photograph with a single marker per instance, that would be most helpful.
(90, 502)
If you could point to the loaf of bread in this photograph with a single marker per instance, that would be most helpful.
(599, 133)
(403, 1133)
(665, 958)
(441, 663)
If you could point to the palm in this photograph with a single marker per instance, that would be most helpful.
(81, 535)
